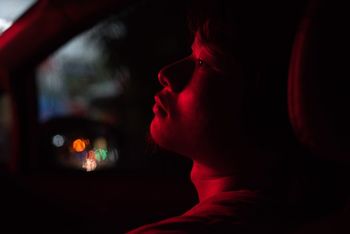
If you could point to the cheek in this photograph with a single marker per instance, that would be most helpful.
(188, 105)
(190, 117)
(192, 105)
(182, 128)
(202, 114)
(223, 107)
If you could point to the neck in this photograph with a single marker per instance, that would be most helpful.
(211, 180)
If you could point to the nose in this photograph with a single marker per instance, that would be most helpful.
(176, 75)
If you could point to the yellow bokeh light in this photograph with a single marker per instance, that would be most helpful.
(100, 143)
(79, 145)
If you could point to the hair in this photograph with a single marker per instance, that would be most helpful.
(259, 38)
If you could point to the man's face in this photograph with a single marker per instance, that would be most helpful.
(198, 111)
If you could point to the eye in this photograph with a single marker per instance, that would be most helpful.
(200, 62)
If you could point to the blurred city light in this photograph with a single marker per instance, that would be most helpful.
(90, 163)
(58, 140)
(79, 145)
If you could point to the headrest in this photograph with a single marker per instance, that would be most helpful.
(319, 80)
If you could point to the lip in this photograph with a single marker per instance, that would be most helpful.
(160, 105)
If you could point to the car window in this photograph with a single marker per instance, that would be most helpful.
(10, 10)
(77, 76)
(107, 76)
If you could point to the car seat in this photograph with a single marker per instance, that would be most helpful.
(318, 100)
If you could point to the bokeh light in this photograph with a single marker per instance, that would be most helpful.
(58, 140)
(79, 145)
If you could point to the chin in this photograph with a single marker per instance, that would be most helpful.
(172, 137)
(163, 136)
(157, 133)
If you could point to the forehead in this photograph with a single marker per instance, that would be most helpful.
(201, 48)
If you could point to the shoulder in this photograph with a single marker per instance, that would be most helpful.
(226, 212)
(180, 224)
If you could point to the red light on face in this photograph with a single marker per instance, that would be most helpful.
(79, 145)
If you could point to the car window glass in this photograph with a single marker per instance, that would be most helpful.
(10, 10)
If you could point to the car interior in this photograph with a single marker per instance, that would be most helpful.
(78, 77)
